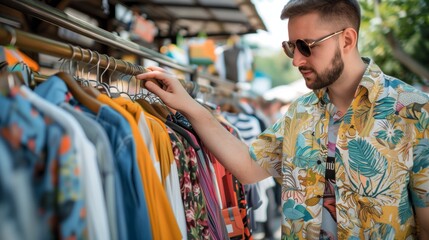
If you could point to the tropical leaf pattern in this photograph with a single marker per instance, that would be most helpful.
(365, 159)
(382, 160)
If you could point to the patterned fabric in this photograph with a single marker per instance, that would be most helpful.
(193, 199)
(242, 204)
(40, 145)
(381, 162)
(241, 195)
(217, 225)
(17, 212)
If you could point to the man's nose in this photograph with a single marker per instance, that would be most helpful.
(298, 59)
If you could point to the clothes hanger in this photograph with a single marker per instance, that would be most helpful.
(160, 108)
(121, 91)
(110, 86)
(131, 74)
(77, 91)
(149, 108)
(24, 75)
(89, 88)
(101, 85)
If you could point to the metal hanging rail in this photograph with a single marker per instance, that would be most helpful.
(30, 42)
(34, 43)
(56, 17)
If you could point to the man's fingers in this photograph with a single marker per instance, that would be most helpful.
(153, 87)
(155, 68)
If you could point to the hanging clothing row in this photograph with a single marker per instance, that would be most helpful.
(82, 162)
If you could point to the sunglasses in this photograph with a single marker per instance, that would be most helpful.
(303, 47)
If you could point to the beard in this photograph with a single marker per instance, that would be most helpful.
(328, 76)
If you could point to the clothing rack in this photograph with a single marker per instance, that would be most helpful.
(56, 17)
(34, 43)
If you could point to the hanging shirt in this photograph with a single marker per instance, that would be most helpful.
(18, 218)
(42, 148)
(193, 199)
(94, 198)
(216, 222)
(163, 222)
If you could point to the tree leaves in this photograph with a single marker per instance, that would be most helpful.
(408, 22)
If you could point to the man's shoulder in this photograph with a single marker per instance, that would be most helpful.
(395, 85)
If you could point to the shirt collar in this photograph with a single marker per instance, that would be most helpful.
(372, 78)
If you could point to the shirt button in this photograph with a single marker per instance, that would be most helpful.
(319, 162)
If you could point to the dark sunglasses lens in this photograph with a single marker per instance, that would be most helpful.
(288, 49)
(303, 48)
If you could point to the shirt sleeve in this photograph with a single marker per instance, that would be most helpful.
(266, 150)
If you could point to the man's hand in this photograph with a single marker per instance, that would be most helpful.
(168, 88)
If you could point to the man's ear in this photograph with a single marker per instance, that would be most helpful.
(350, 38)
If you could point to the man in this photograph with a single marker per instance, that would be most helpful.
(352, 156)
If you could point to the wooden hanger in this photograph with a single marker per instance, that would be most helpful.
(150, 109)
(84, 98)
(161, 109)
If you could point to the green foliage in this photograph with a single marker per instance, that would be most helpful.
(408, 20)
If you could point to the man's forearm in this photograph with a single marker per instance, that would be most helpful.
(230, 151)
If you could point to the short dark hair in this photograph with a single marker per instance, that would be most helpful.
(343, 12)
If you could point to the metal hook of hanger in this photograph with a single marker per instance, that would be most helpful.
(98, 66)
(85, 82)
(78, 78)
(109, 84)
(137, 88)
(107, 68)
(78, 63)
(71, 59)
(140, 88)
(122, 80)
(124, 74)
(12, 35)
(64, 60)
(86, 65)
(114, 70)
(101, 82)
(92, 67)
(129, 79)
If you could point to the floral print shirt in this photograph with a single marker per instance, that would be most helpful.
(381, 160)
(193, 200)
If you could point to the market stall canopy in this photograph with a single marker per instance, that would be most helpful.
(220, 18)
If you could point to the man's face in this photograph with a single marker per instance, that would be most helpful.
(325, 64)
(325, 77)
